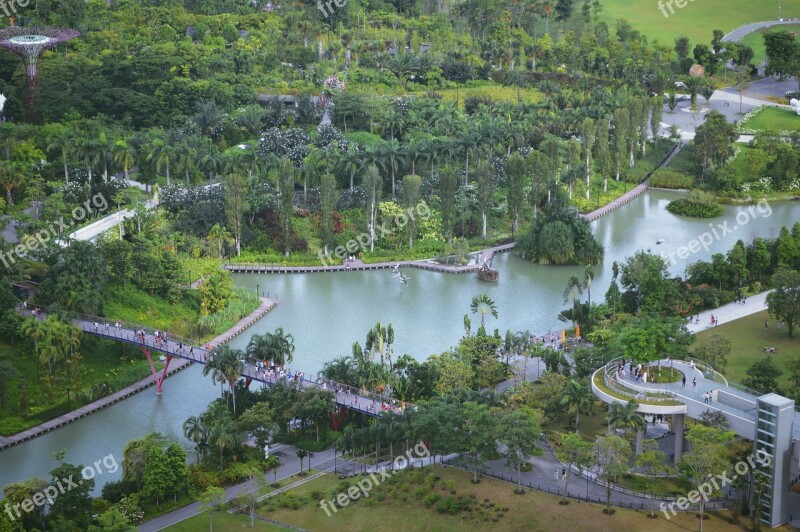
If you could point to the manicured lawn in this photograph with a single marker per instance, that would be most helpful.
(776, 120)
(697, 20)
(748, 339)
(406, 511)
(133, 305)
(755, 40)
(223, 522)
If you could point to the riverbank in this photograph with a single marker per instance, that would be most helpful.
(267, 304)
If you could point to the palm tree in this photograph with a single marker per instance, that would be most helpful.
(389, 156)
(694, 85)
(351, 162)
(231, 366)
(588, 277)
(573, 290)
(210, 160)
(281, 347)
(11, 177)
(484, 305)
(467, 140)
(163, 154)
(218, 236)
(63, 142)
(186, 158)
(625, 417)
(578, 398)
(223, 434)
(124, 155)
(214, 367)
(392, 122)
(195, 430)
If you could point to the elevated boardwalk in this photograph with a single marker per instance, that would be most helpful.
(127, 334)
(358, 265)
(735, 402)
(186, 353)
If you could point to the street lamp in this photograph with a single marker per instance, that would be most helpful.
(258, 291)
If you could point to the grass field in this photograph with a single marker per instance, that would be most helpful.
(387, 509)
(748, 339)
(776, 120)
(755, 40)
(698, 19)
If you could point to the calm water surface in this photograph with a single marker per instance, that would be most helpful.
(326, 313)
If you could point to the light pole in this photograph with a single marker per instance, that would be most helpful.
(779, 9)
(258, 290)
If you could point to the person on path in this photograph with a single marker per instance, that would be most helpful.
(683, 380)
(694, 382)
(705, 398)
(766, 324)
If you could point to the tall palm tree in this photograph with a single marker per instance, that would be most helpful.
(223, 436)
(163, 154)
(11, 177)
(577, 398)
(467, 140)
(213, 366)
(124, 155)
(484, 305)
(588, 277)
(186, 158)
(281, 347)
(352, 162)
(195, 430)
(231, 366)
(390, 156)
(63, 142)
(573, 290)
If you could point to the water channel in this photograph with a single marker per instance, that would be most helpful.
(327, 312)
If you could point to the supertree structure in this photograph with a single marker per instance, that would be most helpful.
(29, 43)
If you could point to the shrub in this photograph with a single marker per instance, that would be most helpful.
(452, 505)
(666, 178)
(698, 208)
(430, 500)
(114, 491)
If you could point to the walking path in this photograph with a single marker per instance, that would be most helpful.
(359, 265)
(128, 335)
(730, 312)
(739, 33)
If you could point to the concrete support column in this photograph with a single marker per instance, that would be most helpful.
(677, 428)
(639, 441)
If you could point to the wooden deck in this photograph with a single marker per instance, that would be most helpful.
(128, 335)
(358, 265)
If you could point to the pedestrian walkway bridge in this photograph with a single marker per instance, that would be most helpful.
(347, 397)
(735, 402)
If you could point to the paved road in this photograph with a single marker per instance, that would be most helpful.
(739, 33)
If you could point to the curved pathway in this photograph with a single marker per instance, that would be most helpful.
(739, 33)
